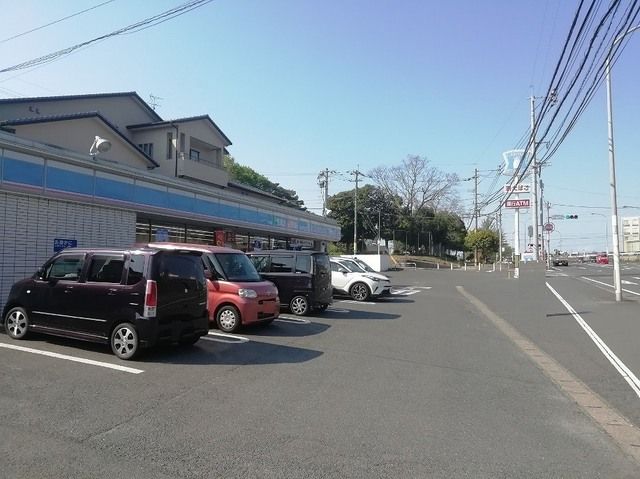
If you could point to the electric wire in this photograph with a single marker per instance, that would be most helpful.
(55, 21)
(135, 27)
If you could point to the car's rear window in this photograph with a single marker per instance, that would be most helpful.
(322, 263)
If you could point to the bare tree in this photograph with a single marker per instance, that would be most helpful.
(418, 185)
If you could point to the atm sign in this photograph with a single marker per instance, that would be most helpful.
(526, 203)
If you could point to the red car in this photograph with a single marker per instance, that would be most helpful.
(602, 259)
(237, 295)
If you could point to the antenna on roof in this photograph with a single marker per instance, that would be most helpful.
(153, 101)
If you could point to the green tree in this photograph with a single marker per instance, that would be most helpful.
(485, 242)
(250, 177)
(371, 201)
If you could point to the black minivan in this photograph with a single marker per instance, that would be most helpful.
(303, 278)
(128, 298)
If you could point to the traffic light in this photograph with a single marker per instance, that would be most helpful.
(571, 217)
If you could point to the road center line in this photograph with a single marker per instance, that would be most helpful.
(624, 371)
(609, 285)
(75, 359)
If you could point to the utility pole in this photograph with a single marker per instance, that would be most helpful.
(378, 232)
(475, 209)
(542, 222)
(548, 239)
(499, 220)
(534, 181)
(476, 213)
(355, 173)
(323, 182)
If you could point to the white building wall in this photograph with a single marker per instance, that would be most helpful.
(28, 226)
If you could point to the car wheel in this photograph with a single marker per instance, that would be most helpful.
(124, 341)
(16, 323)
(228, 319)
(299, 306)
(359, 292)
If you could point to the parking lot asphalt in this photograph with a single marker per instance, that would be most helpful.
(415, 385)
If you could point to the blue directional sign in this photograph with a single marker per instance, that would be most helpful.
(59, 244)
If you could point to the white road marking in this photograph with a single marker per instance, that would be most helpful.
(225, 338)
(624, 281)
(617, 426)
(351, 301)
(610, 285)
(75, 359)
(336, 310)
(423, 287)
(292, 319)
(581, 267)
(635, 277)
(617, 363)
(404, 292)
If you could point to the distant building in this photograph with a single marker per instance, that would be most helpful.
(631, 234)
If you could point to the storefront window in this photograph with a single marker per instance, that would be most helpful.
(259, 243)
(278, 243)
(199, 236)
(242, 242)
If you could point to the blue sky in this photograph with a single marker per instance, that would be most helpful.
(301, 85)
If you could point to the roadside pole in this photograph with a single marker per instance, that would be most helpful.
(548, 238)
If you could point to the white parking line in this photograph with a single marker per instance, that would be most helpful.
(609, 285)
(617, 363)
(75, 359)
(350, 301)
(624, 281)
(405, 292)
(336, 310)
(292, 319)
(225, 338)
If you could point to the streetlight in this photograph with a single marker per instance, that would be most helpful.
(99, 145)
(617, 280)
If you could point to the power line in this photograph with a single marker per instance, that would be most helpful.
(135, 27)
(55, 21)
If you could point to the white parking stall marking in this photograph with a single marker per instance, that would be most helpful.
(617, 363)
(225, 338)
(408, 291)
(75, 359)
(351, 301)
(292, 319)
(636, 277)
(609, 285)
(624, 281)
(336, 310)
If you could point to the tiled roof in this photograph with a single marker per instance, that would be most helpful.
(180, 120)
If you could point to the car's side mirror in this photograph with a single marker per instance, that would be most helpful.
(208, 274)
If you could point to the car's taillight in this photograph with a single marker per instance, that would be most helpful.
(150, 299)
